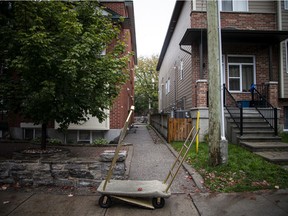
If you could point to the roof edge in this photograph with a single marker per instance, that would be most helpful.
(173, 22)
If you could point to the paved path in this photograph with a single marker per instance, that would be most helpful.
(152, 161)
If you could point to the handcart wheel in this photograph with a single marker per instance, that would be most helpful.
(105, 201)
(158, 202)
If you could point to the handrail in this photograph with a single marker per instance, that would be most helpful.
(269, 113)
(233, 108)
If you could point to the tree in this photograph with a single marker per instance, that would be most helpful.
(55, 55)
(146, 85)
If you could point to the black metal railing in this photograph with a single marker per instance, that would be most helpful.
(264, 108)
(234, 109)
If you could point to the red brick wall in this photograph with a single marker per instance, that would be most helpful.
(253, 21)
(123, 102)
(202, 89)
(261, 54)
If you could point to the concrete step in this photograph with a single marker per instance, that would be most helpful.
(264, 146)
(254, 130)
(252, 138)
(250, 120)
(278, 157)
(250, 133)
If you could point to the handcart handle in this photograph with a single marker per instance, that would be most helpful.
(119, 145)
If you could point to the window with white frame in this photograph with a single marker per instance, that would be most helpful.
(84, 136)
(181, 69)
(31, 133)
(286, 4)
(167, 86)
(241, 73)
(234, 5)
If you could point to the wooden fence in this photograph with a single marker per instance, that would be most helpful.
(178, 129)
(172, 129)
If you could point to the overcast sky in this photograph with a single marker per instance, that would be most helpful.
(152, 18)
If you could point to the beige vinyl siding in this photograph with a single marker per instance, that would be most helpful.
(171, 65)
(200, 5)
(284, 14)
(262, 6)
(254, 6)
(285, 71)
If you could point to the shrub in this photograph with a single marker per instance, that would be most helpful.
(100, 141)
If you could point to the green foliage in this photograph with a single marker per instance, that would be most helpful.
(55, 141)
(146, 85)
(100, 141)
(53, 53)
(244, 171)
(54, 69)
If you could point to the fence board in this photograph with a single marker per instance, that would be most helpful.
(178, 129)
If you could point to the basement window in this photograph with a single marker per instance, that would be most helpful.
(84, 136)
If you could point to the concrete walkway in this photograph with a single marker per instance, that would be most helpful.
(153, 161)
(148, 161)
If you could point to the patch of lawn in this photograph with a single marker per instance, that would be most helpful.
(284, 137)
(244, 171)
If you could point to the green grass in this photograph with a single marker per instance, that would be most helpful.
(284, 137)
(244, 171)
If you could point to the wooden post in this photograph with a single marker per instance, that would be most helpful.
(214, 83)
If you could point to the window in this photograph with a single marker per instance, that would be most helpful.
(84, 136)
(181, 70)
(286, 4)
(31, 133)
(241, 73)
(167, 86)
(234, 5)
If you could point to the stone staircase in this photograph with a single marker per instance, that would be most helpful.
(258, 137)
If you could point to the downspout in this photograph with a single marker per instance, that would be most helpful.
(270, 64)
(281, 72)
(201, 57)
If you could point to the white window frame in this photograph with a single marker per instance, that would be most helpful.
(167, 86)
(286, 4)
(286, 53)
(240, 64)
(84, 140)
(33, 132)
(223, 69)
(181, 69)
(234, 6)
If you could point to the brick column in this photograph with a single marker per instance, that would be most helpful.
(273, 93)
(201, 93)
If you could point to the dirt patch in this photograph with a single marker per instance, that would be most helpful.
(155, 136)
(7, 149)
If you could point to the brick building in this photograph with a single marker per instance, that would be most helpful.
(254, 51)
(17, 128)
